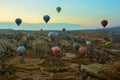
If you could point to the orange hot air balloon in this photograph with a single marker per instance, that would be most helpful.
(104, 23)
(56, 50)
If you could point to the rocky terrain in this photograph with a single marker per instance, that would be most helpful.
(38, 62)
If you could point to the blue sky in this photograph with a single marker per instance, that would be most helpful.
(83, 12)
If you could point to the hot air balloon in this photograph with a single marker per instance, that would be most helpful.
(58, 9)
(21, 50)
(41, 29)
(56, 50)
(63, 29)
(31, 36)
(18, 21)
(76, 46)
(82, 51)
(52, 35)
(88, 43)
(104, 23)
(108, 44)
(46, 18)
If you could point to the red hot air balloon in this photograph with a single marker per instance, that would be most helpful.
(82, 51)
(104, 23)
(56, 50)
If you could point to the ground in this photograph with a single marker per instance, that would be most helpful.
(38, 62)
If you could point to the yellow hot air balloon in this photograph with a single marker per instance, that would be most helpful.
(108, 44)
(88, 43)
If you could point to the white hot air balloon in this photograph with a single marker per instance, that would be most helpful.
(21, 50)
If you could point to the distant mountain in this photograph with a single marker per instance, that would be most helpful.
(114, 28)
(6, 30)
(4, 26)
(49, 26)
(111, 29)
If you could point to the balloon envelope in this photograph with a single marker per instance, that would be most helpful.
(21, 49)
(52, 35)
(76, 46)
(56, 50)
(108, 44)
(31, 36)
(41, 29)
(46, 18)
(88, 43)
(104, 23)
(82, 51)
(58, 9)
(18, 21)
(63, 29)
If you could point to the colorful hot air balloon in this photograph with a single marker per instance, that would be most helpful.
(76, 46)
(88, 43)
(108, 44)
(104, 23)
(56, 50)
(82, 51)
(52, 35)
(58, 9)
(21, 50)
(46, 18)
(18, 21)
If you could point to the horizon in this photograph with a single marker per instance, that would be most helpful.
(50, 26)
(85, 13)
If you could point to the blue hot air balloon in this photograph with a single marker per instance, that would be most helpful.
(31, 36)
(52, 35)
(46, 18)
(76, 46)
(18, 21)
(21, 50)
(63, 29)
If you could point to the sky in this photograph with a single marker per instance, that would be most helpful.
(83, 12)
